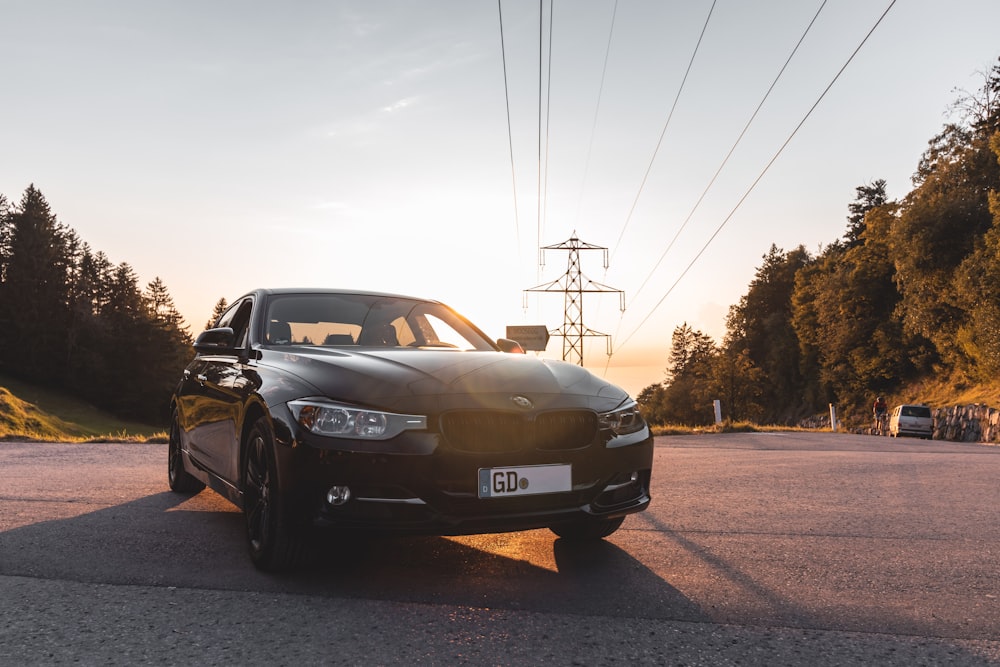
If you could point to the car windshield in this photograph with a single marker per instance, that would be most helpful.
(368, 321)
(916, 411)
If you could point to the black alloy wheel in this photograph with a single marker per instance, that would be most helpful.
(273, 544)
(587, 529)
(180, 480)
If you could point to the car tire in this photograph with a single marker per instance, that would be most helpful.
(179, 479)
(587, 529)
(273, 542)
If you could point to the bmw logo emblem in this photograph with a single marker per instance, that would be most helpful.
(522, 402)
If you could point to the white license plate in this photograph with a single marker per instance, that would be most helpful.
(525, 480)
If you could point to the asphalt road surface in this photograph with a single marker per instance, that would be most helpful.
(759, 549)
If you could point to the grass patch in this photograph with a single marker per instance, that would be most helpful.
(947, 392)
(29, 412)
(725, 427)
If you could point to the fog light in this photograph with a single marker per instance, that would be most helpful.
(624, 478)
(338, 495)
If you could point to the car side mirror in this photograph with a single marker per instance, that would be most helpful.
(508, 345)
(216, 341)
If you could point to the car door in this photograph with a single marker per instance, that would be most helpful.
(221, 390)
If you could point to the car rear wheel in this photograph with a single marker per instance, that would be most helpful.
(274, 544)
(587, 529)
(180, 480)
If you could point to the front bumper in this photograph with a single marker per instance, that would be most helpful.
(915, 432)
(423, 487)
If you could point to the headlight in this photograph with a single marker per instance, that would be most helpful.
(624, 420)
(343, 421)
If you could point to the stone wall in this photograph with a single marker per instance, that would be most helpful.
(967, 423)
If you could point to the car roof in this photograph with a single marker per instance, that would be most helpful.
(277, 291)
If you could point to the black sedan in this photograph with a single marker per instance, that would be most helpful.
(377, 412)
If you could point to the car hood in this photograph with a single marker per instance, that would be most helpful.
(419, 379)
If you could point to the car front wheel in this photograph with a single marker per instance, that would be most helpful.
(180, 480)
(587, 529)
(274, 544)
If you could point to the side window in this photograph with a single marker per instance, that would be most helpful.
(238, 318)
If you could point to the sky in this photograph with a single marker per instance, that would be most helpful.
(432, 147)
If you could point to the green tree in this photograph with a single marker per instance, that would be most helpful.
(686, 397)
(167, 352)
(942, 222)
(130, 335)
(977, 283)
(690, 350)
(868, 197)
(738, 384)
(90, 346)
(808, 294)
(34, 300)
(761, 324)
(846, 316)
(220, 308)
(652, 401)
(72, 321)
(980, 109)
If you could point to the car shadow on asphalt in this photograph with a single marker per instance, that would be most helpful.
(167, 539)
(531, 570)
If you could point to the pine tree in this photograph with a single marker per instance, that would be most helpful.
(220, 308)
(34, 295)
(761, 324)
(168, 352)
(868, 197)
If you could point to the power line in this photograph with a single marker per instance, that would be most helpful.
(538, 205)
(597, 110)
(761, 175)
(664, 132)
(544, 194)
(510, 134)
(731, 151)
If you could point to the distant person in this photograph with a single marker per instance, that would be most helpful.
(880, 407)
(880, 411)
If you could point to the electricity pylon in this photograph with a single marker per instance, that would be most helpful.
(573, 284)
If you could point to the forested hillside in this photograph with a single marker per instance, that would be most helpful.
(72, 321)
(911, 292)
